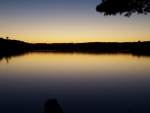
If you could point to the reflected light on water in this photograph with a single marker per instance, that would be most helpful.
(101, 82)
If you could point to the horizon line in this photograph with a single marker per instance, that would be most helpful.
(76, 42)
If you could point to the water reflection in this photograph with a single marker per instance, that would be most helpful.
(82, 82)
(8, 56)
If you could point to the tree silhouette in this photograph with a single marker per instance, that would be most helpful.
(112, 7)
(7, 38)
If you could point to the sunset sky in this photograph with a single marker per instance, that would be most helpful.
(50, 21)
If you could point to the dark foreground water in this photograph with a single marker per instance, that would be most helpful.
(81, 82)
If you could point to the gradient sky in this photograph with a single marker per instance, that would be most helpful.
(50, 21)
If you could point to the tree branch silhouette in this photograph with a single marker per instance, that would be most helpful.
(126, 7)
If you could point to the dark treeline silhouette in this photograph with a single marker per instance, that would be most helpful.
(12, 46)
(95, 46)
(8, 46)
(126, 7)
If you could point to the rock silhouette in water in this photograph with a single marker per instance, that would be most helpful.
(51, 106)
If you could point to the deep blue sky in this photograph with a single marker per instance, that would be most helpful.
(68, 21)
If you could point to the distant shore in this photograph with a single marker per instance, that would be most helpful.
(11, 46)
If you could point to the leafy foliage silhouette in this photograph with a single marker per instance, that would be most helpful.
(126, 7)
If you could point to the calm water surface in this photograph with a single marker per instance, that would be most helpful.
(81, 82)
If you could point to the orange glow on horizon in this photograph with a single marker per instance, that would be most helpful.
(76, 40)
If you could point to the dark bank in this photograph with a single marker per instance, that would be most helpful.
(8, 46)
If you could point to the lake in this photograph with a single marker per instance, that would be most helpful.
(81, 82)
